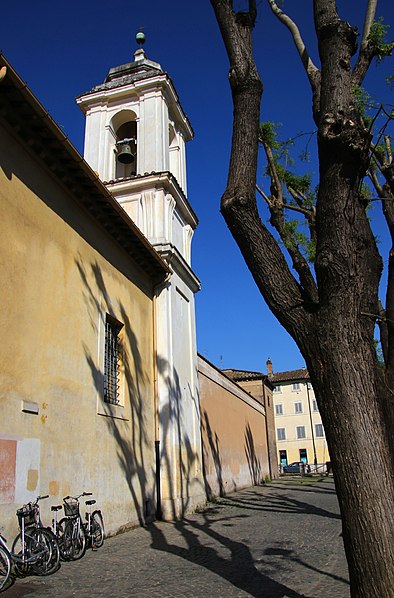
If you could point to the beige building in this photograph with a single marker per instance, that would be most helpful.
(299, 429)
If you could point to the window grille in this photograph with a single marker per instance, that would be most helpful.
(112, 354)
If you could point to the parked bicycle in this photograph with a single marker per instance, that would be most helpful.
(77, 534)
(5, 564)
(58, 531)
(33, 550)
(34, 536)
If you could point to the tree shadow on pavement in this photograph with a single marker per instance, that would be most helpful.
(305, 486)
(239, 569)
(279, 504)
(289, 554)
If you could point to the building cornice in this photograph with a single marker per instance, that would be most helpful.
(178, 264)
(216, 375)
(156, 180)
(121, 90)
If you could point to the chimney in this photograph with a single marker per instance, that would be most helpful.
(269, 367)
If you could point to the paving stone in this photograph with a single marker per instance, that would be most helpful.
(281, 540)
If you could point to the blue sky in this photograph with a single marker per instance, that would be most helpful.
(64, 49)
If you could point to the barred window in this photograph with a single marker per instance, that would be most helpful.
(112, 356)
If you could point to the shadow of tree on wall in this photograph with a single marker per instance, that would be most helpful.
(131, 436)
(179, 470)
(211, 453)
(215, 484)
(251, 457)
(135, 438)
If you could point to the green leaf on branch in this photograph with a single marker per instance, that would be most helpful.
(300, 183)
(377, 37)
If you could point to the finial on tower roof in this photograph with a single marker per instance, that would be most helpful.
(140, 38)
(139, 55)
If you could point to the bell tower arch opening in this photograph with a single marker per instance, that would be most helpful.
(124, 126)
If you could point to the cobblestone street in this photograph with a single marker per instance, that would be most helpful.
(274, 541)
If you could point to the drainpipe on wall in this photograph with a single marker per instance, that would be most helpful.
(156, 292)
(156, 410)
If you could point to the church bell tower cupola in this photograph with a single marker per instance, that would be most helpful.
(135, 137)
(135, 123)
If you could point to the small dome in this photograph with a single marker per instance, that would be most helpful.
(140, 38)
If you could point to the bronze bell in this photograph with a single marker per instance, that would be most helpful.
(125, 153)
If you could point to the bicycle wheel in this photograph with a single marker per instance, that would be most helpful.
(64, 537)
(5, 568)
(78, 541)
(46, 550)
(22, 551)
(97, 530)
(55, 558)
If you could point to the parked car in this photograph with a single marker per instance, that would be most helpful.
(296, 467)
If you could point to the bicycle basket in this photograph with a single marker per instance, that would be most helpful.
(71, 507)
(27, 512)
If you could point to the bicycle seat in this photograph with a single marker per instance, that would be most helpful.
(56, 508)
(89, 502)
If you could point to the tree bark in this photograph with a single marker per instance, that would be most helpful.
(336, 333)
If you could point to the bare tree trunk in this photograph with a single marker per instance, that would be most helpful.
(336, 333)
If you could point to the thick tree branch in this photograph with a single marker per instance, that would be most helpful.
(311, 69)
(368, 48)
(287, 299)
(369, 19)
(276, 205)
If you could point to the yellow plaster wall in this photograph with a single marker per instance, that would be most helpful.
(263, 394)
(235, 453)
(61, 274)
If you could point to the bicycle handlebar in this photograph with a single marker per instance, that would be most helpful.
(79, 496)
(35, 502)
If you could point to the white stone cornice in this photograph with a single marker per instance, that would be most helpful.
(136, 89)
(157, 180)
(178, 264)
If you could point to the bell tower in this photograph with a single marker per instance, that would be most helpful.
(135, 137)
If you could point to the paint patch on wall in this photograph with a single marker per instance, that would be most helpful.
(27, 484)
(7, 471)
(54, 488)
(32, 480)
